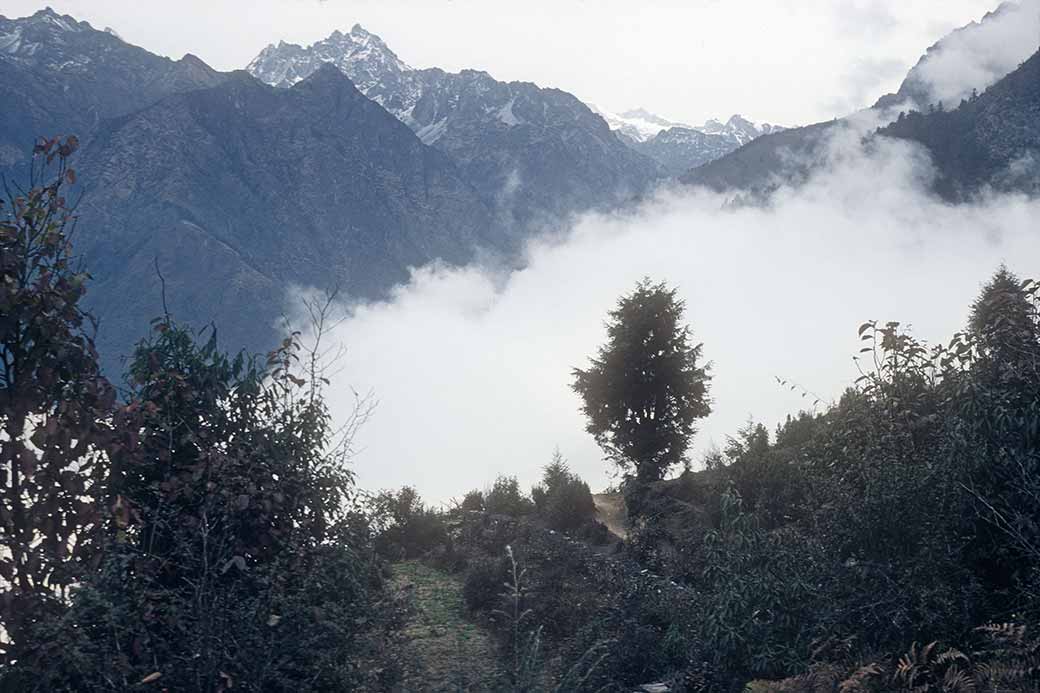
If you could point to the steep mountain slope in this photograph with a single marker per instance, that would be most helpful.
(970, 58)
(64, 75)
(534, 154)
(992, 140)
(763, 164)
(242, 190)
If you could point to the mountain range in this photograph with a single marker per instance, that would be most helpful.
(332, 165)
(338, 165)
(241, 190)
(61, 75)
(533, 154)
(232, 189)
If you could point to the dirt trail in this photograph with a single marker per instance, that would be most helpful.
(611, 511)
(445, 651)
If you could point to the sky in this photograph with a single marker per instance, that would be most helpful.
(787, 62)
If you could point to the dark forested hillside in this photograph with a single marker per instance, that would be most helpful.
(991, 140)
(242, 190)
(782, 157)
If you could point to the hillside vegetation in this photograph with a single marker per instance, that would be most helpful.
(201, 530)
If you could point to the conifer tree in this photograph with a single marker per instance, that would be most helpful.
(647, 387)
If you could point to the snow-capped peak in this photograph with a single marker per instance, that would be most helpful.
(641, 125)
(27, 39)
(360, 54)
(60, 22)
(638, 124)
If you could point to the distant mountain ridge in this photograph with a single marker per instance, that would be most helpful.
(1010, 33)
(61, 75)
(534, 154)
(641, 125)
(679, 147)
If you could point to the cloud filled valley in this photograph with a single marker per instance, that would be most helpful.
(477, 360)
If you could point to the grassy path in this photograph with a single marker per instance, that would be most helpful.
(446, 652)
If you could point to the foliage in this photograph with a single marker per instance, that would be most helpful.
(482, 588)
(405, 527)
(236, 558)
(646, 387)
(505, 498)
(227, 545)
(54, 403)
(473, 501)
(1003, 657)
(562, 498)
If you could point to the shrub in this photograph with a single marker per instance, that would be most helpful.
(473, 501)
(505, 498)
(406, 527)
(484, 584)
(235, 553)
(562, 499)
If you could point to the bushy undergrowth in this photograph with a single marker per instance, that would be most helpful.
(202, 534)
(406, 527)
(904, 512)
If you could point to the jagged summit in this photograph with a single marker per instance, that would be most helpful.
(529, 151)
(62, 21)
(360, 54)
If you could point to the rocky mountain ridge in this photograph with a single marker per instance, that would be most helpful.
(535, 154)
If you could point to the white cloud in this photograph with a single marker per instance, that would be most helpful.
(472, 366)
(980, 55)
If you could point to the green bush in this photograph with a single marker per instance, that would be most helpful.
(562, 499)
(505, 498)
(405, 526)
(484, 584)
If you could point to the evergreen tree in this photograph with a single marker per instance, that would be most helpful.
(1004, 320)
(562, 498)
(647, 387)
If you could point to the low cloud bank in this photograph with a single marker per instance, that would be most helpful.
(471, 366)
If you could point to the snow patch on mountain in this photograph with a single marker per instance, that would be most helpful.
(638, 124)
(642, 125)
(506, 115)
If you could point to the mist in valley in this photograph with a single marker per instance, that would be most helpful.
(471, 366)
